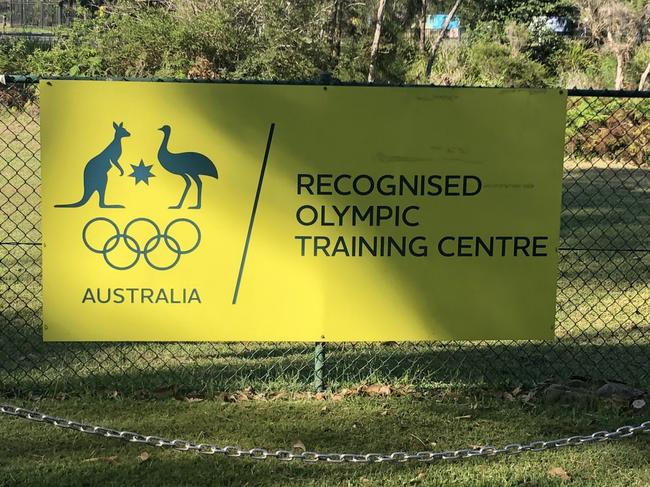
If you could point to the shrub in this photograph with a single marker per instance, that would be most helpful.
(609, 128)
(494, 65)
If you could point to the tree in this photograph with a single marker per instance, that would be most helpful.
(375, 40)
(646, 22)
(441, 35)
(422, 25)
(616, 26)
(644, 77)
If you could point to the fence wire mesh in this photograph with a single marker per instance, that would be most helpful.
(603, 296)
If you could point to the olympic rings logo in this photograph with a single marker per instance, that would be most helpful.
(171, 243)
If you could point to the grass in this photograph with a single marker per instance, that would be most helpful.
(37, 454)
(603, 315)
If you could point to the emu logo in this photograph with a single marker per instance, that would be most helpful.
(186, 164)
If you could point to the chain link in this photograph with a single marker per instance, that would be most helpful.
(311, 456)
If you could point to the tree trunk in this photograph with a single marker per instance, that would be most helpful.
(441, 35)
(335, 31)
(644, 77)
(375, 40)
(620, 64)
(422, 22)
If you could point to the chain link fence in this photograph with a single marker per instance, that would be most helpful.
(603, 296)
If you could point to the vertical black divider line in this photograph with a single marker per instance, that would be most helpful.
(253, 212)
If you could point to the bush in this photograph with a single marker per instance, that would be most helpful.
(638, 64)
(232, 40)
(494, 65)
(450, 68)
(130, 41)
(609, 128)
(13, 56)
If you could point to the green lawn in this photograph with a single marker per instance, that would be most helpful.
(603, 307)
(37, 454)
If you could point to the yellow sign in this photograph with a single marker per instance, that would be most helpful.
(178, 211)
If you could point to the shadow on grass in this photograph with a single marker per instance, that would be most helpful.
(603, 316)
(31, 366)
(606, 207)
(348, 426)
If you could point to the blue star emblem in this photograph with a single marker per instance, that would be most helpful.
(142, 172)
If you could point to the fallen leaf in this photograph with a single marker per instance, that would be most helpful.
(385, 390)
(372, 390)
(560, 473)
(112, 460)
(192, 399)
(527, 398)
(299, 445)
(323, 409)
(417, 479)
(143, 457)
(279, 395)
(638, 404)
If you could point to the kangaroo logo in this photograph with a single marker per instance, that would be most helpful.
(96, 171)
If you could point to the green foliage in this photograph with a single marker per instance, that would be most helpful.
(494, 65)
(575, 55)
(451, 67)
(13, 55)
(12, 60)
(129, 42)
(524, 11)
(287, 46)
(639, 63)
(609, 127)
(503, 44)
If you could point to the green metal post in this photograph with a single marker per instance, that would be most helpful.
(319, 367)
(319, 351)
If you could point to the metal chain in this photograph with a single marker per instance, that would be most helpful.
(310, 456)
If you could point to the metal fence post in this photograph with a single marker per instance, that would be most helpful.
(324, 78)
(319, 367)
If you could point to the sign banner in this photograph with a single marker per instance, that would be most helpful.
(228, 212)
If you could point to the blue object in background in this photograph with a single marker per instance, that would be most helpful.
(435, 22)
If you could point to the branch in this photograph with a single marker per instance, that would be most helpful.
(441, 35)
(644, 77)
(375, 41)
